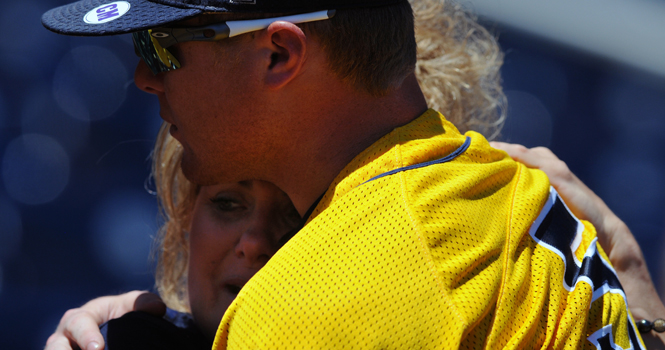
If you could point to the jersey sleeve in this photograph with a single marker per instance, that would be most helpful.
(596, 313)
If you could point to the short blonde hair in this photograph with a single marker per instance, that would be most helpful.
(458, 70)
(456, 60)
(372, 49)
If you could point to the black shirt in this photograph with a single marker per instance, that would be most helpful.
(139, 330)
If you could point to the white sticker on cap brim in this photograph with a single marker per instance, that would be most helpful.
(107, 12)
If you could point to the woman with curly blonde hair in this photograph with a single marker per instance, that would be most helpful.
(214, 238)
(457, 67)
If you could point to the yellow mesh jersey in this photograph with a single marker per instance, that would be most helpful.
(477, 252)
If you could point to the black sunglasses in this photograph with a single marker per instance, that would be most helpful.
(152, 45)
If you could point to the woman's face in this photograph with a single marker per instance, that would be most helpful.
(235, 230)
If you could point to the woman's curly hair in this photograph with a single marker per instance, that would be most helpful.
(176, 197)
(458, 66)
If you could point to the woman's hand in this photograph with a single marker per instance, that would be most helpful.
(79, 328)
(613, 234)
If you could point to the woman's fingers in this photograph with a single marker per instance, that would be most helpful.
(79, 327)
(583, 202)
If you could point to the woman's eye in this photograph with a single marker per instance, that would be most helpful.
(225, 204)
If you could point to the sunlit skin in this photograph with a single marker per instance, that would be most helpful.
(210, 116)
(222, 104)
(235, 230)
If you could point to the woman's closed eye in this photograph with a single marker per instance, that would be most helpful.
(226, 204)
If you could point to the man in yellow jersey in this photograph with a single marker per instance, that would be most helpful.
(417, 236)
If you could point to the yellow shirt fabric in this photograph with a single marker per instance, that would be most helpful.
(463, 254)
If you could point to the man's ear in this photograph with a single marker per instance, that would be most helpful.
(288, 45)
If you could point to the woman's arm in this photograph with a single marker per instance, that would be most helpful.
(80, 327)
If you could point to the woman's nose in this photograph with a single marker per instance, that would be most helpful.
(257, 244)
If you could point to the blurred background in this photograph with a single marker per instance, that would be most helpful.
(586, 79)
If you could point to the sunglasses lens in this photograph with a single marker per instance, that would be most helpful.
(157, 58)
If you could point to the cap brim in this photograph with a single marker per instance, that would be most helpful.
(142, 14)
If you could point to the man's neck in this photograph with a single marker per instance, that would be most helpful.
(343, 129)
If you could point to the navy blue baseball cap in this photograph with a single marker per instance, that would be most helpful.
(107, 17)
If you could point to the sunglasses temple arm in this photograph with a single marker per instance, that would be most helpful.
(246, 26)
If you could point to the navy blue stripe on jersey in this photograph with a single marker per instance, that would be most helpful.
(563, 232)
(558, 230)
(461, 149)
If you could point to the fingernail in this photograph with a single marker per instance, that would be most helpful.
(92, 346)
